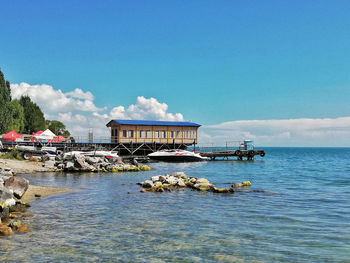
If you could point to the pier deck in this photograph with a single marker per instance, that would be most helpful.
(240, 154)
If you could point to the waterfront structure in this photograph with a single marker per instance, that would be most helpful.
(141, 131)
(153, 135)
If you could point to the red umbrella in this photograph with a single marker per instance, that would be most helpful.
(37, 133)
(59, 139)
(11, 136)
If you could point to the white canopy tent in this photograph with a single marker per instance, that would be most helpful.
(46, 135)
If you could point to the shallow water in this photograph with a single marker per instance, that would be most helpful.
(302, 215)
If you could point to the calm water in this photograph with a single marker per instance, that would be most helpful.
(304, 216)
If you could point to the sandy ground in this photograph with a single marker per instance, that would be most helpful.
(43, 191)
(24, 166)
(32, 167)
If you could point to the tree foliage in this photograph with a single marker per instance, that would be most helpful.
(23, 115)
(57, 128)
(17, 123)
(33, 116)
(5, 104)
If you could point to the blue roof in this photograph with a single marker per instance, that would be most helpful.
(158, 123)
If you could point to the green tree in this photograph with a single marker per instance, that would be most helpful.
(17, 116)
(57, 128)
(33, 116)
(5, 104)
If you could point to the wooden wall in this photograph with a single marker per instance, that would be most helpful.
(158, 134)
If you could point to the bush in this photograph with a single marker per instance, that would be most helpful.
(13, 155)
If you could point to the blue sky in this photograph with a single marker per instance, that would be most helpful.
(211, 61)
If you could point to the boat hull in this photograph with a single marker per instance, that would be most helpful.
(177, 159)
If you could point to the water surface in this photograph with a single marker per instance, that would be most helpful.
(302, 214)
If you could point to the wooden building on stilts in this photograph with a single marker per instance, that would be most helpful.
(141, 137)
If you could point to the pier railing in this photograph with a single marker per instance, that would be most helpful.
(226, 146)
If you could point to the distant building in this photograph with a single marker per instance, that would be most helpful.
(156, 132)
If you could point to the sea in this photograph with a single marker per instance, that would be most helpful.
(297, 210)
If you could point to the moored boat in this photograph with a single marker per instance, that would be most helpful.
(176, 156)
(107, 154)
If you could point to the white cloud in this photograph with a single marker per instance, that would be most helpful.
(80, 94)
(51, 100)
(145, 109)
(76, 109)
(291, 132)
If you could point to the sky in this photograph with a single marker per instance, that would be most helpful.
(276, 72)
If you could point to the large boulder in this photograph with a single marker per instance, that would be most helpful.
(79, 162)
(181, 183)
(155, 178)
(181, 175)
(92, 160)
(5, 230)
(69, 165)
(202, 181)
(6, 171)
(172, 180)
(147, 184)
(18, 185)
(6, 197)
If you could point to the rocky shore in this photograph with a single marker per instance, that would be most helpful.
(72, 163)
(81, 163)
(15, 192)
(11, 207)
(179, 180)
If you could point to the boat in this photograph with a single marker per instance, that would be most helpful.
(107, 154)
(36, 150)
(176, 156)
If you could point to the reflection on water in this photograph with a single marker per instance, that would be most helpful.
(307, 220)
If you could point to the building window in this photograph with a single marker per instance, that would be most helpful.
(193, 134)
(112, 132)
(171, 134)
(131, 134)
(162, 134)
(178, 134)
(142, 134)
(148, 134)
(156, 134)
(186, 134)
(124, 133)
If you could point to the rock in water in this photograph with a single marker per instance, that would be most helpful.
(5, 230)
(6, 197)
(6, 171)
(79, 162)
(18, 185)
(147, 184)
(223, 190)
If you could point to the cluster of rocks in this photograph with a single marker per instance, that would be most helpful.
(81, 163)
(179, 180)
(12, 189)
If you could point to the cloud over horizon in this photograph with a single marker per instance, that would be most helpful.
(77, 110)
(288, 132)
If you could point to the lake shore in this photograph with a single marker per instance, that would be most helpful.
(35, 192)
(28, 167)
(24, 166)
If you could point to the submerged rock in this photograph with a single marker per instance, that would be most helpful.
(243, 184)
(18, 185)
(223, 190)
(5, 230)
(179, 180)
(147, 184)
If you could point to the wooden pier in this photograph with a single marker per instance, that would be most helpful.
(240, 154)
